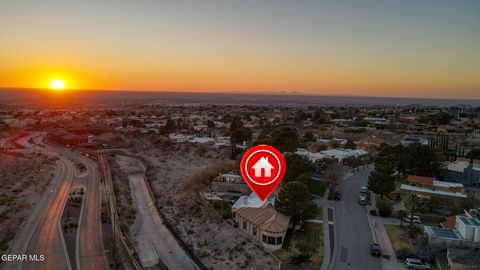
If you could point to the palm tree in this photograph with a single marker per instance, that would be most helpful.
(411, 203)
(401, 215)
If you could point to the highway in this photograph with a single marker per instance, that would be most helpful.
(41, 234)
(91, 254)
(90, 247)
(46, 238)
(352, 231)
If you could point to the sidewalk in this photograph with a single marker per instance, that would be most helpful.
(380, 234)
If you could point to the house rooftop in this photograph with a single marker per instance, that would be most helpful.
(460, 164)
(266, 218)
(443, 233)
(428, 181)
(451, 193)
(449, 222)
(464, 256)
(473, 222)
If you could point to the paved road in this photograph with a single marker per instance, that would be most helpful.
(352, 231)
(91, 242)
(40, 234)
(46, 239)
(90, 252)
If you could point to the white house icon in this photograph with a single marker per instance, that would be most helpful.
(263, 164)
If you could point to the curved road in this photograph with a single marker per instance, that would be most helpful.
(90, 253)
(46, 238)
(41, 234)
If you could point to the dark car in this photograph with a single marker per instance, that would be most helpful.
(336, 196)
(376, 250)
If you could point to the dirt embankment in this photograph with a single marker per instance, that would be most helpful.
(22, 181)
(176, 174)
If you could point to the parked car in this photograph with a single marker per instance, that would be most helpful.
(402, 254)
(412, 263)
(376, 250)
(364, 190)
(337, 196)
(362, 200)
(416, 219)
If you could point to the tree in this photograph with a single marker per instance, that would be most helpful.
(382, 179)
(300, 259)
(308, 136)
(421, 160)
(295, 200)
(384, 208)
(333, 174)
(412, 203)
(401, 216)
(474, 153)
(169, 126)
(296, 165)
(303, 178)
(350, 145)
(353, 162)
(240, 135)
(210, 124)
(322, 164)
(263, 138)
(285, 139)
(235, 123)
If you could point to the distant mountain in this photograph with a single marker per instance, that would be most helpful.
(94, 98)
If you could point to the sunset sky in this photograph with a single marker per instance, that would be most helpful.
(423, 48)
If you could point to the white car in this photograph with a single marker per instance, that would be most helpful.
(362, 200)
(416, 219)
(364, 190)
(412, 263)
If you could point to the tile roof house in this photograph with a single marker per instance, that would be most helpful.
(449, 222)
(428, 186)
(370, 143)
(264, 224)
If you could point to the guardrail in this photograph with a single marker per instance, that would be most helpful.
(121, 238)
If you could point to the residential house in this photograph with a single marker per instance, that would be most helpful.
(428, 186)
(464, 171)
(463, 259)
(340, 154)
(264, 224)
(409, 140)
(229, 182)
(370, 143)
(252, 201)
(465, 234)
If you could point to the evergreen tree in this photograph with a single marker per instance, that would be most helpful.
(350, 145)
(382, 179)
(285, 139)
(295, 200)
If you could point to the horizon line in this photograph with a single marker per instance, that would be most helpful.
(279, 93)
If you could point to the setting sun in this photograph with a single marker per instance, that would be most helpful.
(57, 84)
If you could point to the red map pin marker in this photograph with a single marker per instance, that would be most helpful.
(263, 168)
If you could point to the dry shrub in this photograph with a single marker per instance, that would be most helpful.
(200, 180)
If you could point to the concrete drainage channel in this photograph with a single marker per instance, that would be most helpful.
(69, 224)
